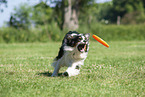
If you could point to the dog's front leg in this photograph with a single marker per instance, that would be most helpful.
(56, 69)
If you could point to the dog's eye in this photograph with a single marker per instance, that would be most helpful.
(80, 38)
(69, 37)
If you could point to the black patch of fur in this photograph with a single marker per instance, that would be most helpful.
(70, 41)
(66, 42)
(60, 54)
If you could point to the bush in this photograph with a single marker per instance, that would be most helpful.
(117, 33)
(133, 18)
(39, 34)
(53, 33)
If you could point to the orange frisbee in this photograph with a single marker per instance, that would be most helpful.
(100, 40)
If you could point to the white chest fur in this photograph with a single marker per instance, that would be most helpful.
(73, 57)
(70, 59)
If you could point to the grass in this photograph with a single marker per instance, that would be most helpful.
(25, 71)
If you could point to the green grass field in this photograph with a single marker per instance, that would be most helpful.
(118, 71)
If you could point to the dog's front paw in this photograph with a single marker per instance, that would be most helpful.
(65, 74)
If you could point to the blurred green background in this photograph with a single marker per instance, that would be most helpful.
(116, 20)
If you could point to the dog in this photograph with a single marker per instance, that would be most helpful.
(72, 53)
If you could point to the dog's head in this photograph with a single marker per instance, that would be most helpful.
(74, 39)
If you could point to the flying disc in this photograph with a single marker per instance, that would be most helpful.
(100, 40)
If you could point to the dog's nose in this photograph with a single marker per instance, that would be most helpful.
(65, 74)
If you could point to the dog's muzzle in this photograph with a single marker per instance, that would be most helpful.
(82, 47)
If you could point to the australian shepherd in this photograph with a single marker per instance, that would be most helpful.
(72, 53)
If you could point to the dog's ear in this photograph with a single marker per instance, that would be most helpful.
(87, 35)
(66, 38)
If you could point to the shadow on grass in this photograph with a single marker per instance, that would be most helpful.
(48, 74)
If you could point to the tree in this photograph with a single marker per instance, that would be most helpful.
(69, 11)
(125, 8)
(3, 2)
(131, 11)
(42, 14)
(21, 18)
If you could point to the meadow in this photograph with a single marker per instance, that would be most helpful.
(119, 70)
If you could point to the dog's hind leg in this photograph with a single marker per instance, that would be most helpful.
(56, 69)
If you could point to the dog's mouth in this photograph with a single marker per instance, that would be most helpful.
(82, 47)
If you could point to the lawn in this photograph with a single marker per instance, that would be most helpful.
(118, 71)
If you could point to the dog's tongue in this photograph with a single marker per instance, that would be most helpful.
(83, 49)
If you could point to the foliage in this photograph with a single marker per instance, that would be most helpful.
(20, 19)
(26, 16)
(42, 14)
(39, 34)
(133, 18)
(25, 70)
(119, 33)
(42, 23)
(67, 17)
(3, 2)
(130, 11)
(53, 33)
(124, 7)
(89, 16)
